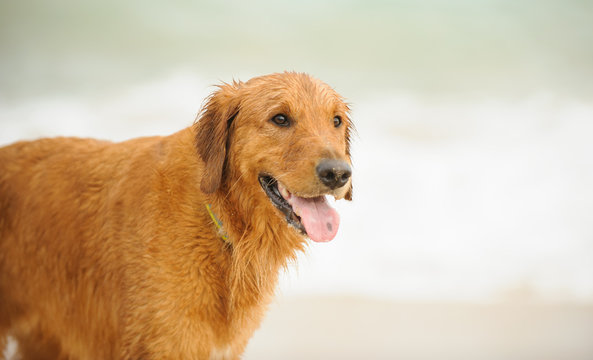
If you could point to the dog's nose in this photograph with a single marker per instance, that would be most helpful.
(333, 173)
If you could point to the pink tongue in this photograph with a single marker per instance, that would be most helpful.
(320, 220)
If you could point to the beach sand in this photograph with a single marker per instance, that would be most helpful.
(362, 328)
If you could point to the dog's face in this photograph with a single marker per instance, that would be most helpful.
(289, 134)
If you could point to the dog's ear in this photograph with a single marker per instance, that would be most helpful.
(212, 132)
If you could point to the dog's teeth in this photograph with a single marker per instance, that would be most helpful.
(285, 193)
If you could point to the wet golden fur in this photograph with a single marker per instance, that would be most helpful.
(108, 252)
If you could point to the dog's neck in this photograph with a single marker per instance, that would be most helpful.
(261, 246)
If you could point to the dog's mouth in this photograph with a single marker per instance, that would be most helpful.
(312, 216)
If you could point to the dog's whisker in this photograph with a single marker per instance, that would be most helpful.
(233, 186)
(279, 177)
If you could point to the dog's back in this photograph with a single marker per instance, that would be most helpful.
(61, 240)
(51, 194)
(86, 227)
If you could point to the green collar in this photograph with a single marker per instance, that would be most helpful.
(217, 222)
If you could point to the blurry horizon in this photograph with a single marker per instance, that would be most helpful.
(478, 48)
(473, 164)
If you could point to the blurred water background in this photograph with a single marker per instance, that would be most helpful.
(473, 160)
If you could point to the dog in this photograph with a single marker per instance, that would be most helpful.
(169, 247)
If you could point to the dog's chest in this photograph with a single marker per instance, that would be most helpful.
(221, 353)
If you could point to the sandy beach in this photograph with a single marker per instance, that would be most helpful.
(362, 328)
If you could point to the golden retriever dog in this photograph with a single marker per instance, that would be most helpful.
(169, 247)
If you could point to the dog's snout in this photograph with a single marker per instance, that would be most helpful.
(334, 173)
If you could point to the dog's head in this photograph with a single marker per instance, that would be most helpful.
(288, 133)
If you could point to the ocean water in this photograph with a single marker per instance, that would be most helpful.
(472, 162)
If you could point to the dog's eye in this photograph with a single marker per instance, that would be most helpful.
(337, 121)
(281, 120)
